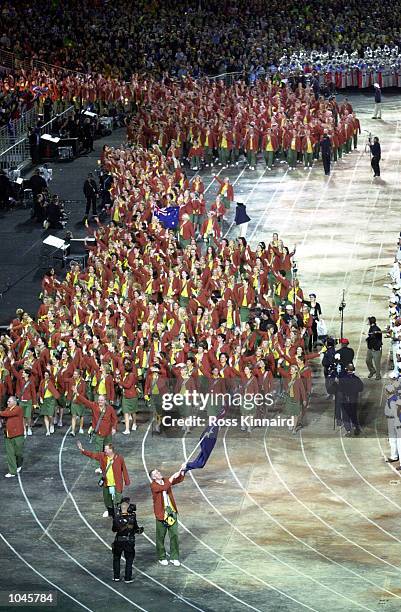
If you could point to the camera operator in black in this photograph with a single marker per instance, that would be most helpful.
(125, 527)
(376, 156)
(330, 366)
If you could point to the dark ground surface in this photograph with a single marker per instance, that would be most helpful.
(21, 238)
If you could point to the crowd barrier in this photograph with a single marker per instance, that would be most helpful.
(18, 152)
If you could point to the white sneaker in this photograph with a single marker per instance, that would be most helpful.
(52, 429)
(175, 562)
(47, 433)
(126, 433)
(163, 561)
(134, 427)
(29, 431)
(60, 424)
(105, 514)
(13, 476)
(98, 471)
(81, 431)
(19, 469)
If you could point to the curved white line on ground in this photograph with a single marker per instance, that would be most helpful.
(271, 517)
(362, 477)
(330, 527)
(344, 201)
(215, 552)
(73, 559)
(262, 216)
(396, 567)
(99, 537)
(266, 552)
(53, 584)
(390, 200)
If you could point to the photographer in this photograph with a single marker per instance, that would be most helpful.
(125, 527)
(375, 149)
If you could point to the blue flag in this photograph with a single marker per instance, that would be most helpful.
(208, 440)
(168, 216)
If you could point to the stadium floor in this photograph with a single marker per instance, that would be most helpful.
(275, 522)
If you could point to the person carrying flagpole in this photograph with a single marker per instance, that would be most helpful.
(165, 509)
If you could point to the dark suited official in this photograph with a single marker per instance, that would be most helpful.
(376, 151)
(125, 527)
(349, 388)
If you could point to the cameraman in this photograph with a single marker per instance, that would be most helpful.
(375, 149)
(125, 527)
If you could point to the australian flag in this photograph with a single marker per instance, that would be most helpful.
(169, 217)
(208, 440)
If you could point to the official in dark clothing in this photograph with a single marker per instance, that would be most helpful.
(241, 219)
(349, 388)
(34, 145)
(346, 353)
(47, 109)
(325, 147)
(88, 131)
(329, 364)
(90, 192)
(37, 184)
(376, 151)
(374, 349)
(5, 189)
(125, 527)
(54, 214)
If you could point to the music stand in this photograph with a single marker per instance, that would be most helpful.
(58, 251)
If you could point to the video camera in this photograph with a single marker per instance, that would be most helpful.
(126, 522)
(131, 507)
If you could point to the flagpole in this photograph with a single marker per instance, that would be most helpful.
(197, 446)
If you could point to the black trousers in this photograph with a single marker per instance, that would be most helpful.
(90, 202)
(350, 415)
(375, 163)
(128, 548)
(326, 163)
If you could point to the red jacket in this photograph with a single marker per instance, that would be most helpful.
(157, 494)
(119, 469)
(14, 422)
(109, 420)
(225, 189)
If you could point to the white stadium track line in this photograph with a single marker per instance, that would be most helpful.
(360, 340)
(289, 213)
(99, 537)
(270, 200)
(71, 557)
(323, 260)
(265, 551)
(223, 557)
(354, 250)
(350, 258)
(271, 517)
(347, 503)
(369, 484)
(38, 573)
(330, 527)
(395, 186)
(212, 181)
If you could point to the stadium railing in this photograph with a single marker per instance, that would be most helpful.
(18, 154)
